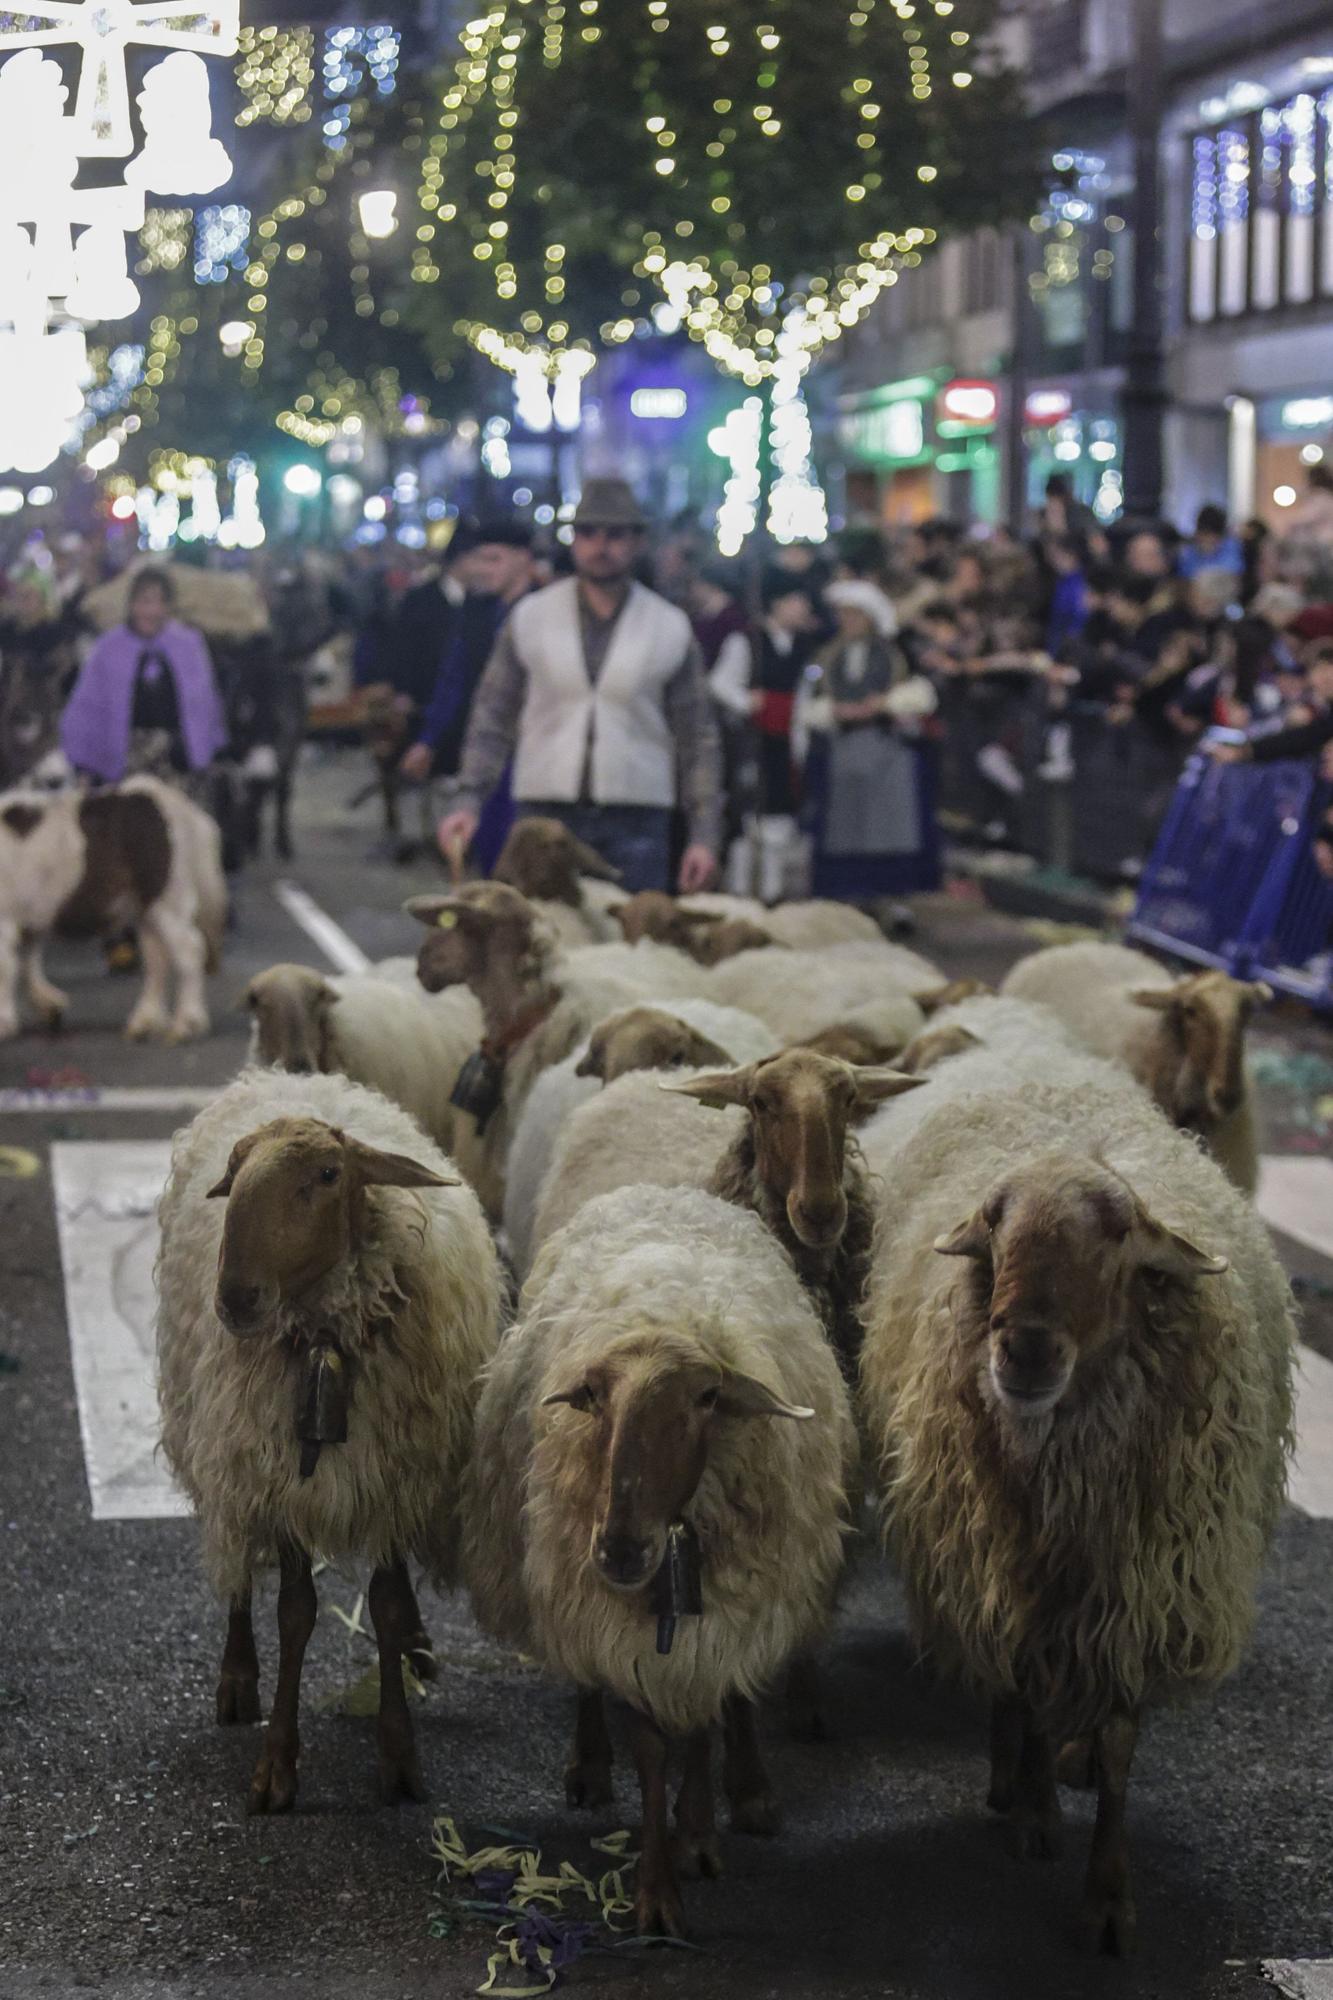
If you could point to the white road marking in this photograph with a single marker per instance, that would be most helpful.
(1312, 1469)
(342, 953)
(106, 1194)
(1296, 1197)
(137, 1097)
(1300, 1978)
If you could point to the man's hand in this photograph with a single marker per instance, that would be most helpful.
(454, 833)
(698, 868)
(416, 762)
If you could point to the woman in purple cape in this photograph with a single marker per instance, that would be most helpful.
(147, 681)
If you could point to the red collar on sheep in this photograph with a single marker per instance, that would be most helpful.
(498, 1047)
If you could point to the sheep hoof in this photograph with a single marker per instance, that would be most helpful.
(53, 1017)
(421, 1656)
(659, 1912)
(146, 1026)
(1109, 1926)
(400, 1777)
(588, 1785)
(697, 1856)
(187, 1028)
(760, 1815)
(1034, 1837)
(273, 1786)
(238, 1699)
(1074, 1767)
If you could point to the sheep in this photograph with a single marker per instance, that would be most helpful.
(790, 1162)
(621, 1418)
(1183, 1039)
(140, 853)
(852, 1041)
(933, 998)
(631, 1132)
(404, 1043)
(536, 1006)
(804, 992)
(291, 1261)
(659, 971)
(707, 935)
(1081, 1433)
(551, 866)
(676, 1033)
(816, 924)
(1022, 1030)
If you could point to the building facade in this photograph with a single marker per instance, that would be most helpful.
(1041, 316)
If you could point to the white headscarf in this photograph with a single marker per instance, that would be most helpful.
(856, 594)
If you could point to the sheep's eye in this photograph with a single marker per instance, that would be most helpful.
(708, 1400)
(328, 1175)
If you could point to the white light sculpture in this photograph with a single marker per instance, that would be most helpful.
(42, 379)
(180, 154)
(532, 393)
(102, 288)
(105, 28)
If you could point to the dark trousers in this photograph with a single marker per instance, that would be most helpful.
(634, 839)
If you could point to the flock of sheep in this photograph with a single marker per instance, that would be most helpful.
(785, 1245)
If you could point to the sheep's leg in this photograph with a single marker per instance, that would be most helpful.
(1006, 1753)
(805, 1718)
(391, 1607)
(1034, 1820)
(696, 1849)
(658, 1910)
(418, 1647)
(1076, 1766)
(1109, 1920)
(238, 1683)
(9, 971)
(753, 1806)
(588, 1776)
(48, 1000)
(150, 1011)
(273, 1786)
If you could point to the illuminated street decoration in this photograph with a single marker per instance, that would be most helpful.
(42, 379)
(221, 242)
(105, 29)
(180, 154)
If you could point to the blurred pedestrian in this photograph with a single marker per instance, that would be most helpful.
(499, 571)
(147, 693)
(597, 689)
(1211, 546)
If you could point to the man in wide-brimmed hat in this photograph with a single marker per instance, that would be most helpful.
(596, 688)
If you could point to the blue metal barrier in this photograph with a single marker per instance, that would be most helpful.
(1231, 882)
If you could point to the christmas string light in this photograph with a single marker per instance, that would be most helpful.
(275, 73)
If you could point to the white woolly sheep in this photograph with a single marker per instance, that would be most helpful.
(292, 1262)
(138, 854)
(815, 924)
(1183, 1039)
(800, 993)
(621, 1419)
(408, 1044)
(623, 1042)
(536, 1004)
(1082, 1431)
(658, 971)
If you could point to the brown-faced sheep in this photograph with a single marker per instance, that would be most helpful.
(327, 1293)
(394, 1038)
(802, 992)
(553, 868)
(791, 1163)
(666, 1387)
(1077, 1378)
(537, 1005)
(1182, 1039)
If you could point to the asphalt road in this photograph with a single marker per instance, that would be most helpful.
(128, 1867)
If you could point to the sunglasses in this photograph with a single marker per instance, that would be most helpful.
(591, 528)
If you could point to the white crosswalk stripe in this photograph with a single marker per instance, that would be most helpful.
(342, 952)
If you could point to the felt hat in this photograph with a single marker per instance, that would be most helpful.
(609, 503)
(856, 594)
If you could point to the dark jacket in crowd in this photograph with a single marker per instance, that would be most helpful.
(418, 636)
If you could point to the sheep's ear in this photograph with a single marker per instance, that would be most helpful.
(970, 1239)
(619, 914)
(744, 1396)
(875, 1086)
(936, 1045)
(934, 998)
(377, 1169)
(245, 1000)
(589, 862)
(240, 1152)
(699, 916)
(1161, 998)
(593, 1063)
(1158, 1248)
(719, 1089)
